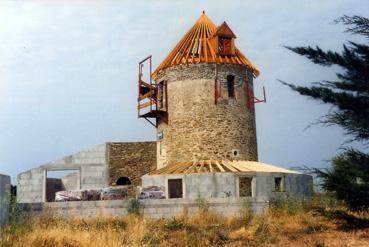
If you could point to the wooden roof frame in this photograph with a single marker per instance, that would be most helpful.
(219, 166)
(196, 47)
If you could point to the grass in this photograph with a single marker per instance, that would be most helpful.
(287, 223)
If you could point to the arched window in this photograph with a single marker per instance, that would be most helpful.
(123, 181)
(230, 86)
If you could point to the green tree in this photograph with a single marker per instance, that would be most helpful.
(348, 177)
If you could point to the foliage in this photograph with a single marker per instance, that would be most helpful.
(17, 223)
(134, 206)
(304, 227)
(349, 95)
(202, 204)
(348, 177)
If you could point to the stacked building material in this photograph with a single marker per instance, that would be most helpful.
(114, 193)
(109, 193)
(152, 192)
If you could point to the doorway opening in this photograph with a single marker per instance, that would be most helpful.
(60, 180)
(123, 181)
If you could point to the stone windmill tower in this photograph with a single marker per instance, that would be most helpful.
(200, 98)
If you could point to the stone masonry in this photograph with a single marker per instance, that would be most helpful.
(199, 129)
(130, 159)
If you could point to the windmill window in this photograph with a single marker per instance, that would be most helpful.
(225, 46)
(161, 95)
(230, 86)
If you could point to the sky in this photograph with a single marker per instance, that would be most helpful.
(68, 72)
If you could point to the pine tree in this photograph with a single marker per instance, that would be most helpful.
(348, 177)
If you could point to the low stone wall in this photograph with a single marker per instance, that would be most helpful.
(153, 208)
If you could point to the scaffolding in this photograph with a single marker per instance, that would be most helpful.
(150, 107)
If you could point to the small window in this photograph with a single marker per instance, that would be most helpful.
(245, 186)
(278, 184)
(235, 153)
(230, 86)
(161, 95)
(123, 181)
(225, 46)
(175, 188)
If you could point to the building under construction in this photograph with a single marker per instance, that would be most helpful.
(200, 101)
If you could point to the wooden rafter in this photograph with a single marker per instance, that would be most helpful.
(211, 166)
(199, 36)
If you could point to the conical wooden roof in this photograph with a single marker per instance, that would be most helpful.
(196, 47)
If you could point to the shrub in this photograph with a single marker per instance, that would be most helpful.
(202, 204)
(134, 206)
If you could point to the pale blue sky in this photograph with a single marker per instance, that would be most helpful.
(68, 72)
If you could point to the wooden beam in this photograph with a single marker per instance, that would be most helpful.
(230, 167)
(192, 167)
(146, 104)
(146, 95)
(219, 166)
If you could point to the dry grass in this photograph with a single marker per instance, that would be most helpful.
(280, 226)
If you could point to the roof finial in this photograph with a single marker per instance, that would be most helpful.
(203, 12)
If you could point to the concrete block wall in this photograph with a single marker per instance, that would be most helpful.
(154, 208)
(220, 185)
(4, 197)
(90, 164)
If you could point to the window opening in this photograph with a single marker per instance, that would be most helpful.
(230, 86)
(225, 46)
(245, 186)
(175, 189)
(161, 95)
(278, 184)
(235, 153)
(60, 180)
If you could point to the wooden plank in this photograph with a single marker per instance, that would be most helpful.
(219, 166)
(146, 95)
(146, 104)
(208, 164)
(230, 167)
(174, 167)
(192, 167)
(239, 167)
(145, 84)
(201, 165)
(184, 167)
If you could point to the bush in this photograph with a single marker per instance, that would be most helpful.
(134, 206)
(17, 223)
(202, 204)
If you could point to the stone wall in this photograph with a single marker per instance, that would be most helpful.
(154, 208)
(130, 159)
(199, 129)
(4, 197)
